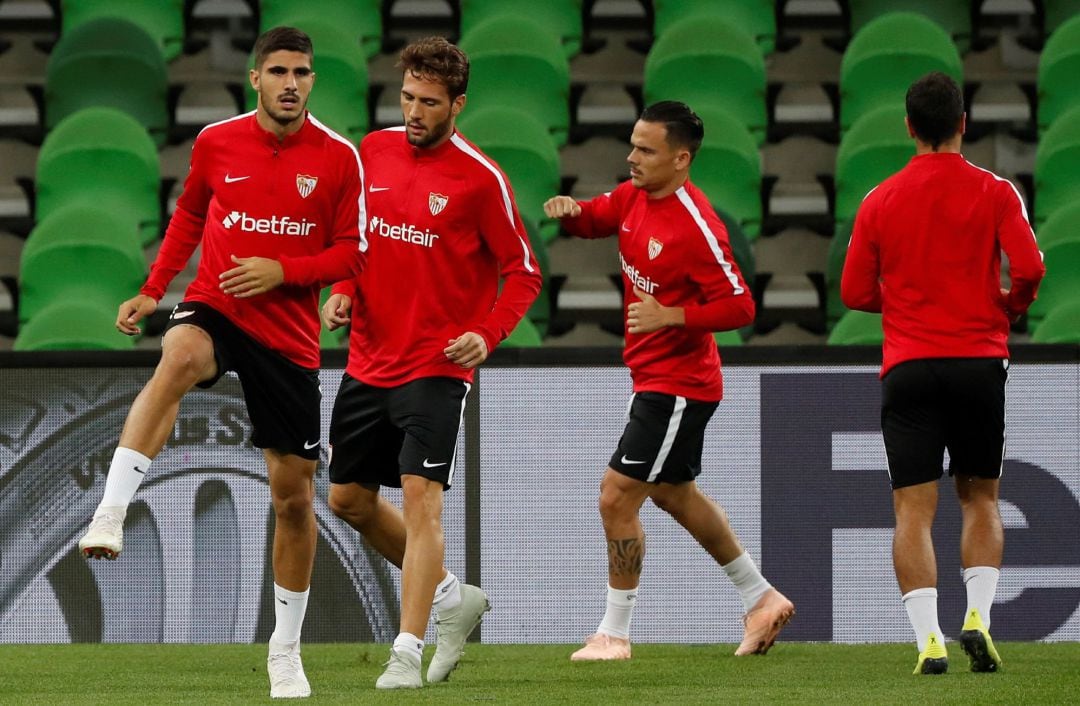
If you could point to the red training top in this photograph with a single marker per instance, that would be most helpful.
(675, 248)
(444, 229)
(926, 253)
(299, 201)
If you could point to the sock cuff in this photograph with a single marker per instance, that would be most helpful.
(448, 580)
(920, 593)
(410, 642)
(737, 563)
(973, 571)
(618, 596)
(132, 455)
(286, 593)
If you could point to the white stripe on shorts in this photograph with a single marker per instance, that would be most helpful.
(669, 438)
(461, 417)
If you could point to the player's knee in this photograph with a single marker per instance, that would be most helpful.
(614, 505)
(293, 505)
(352, 509)
(183, 365)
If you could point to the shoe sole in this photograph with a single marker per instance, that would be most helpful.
(100, 553)
(935, 665)
(977, 650)
(774, 632)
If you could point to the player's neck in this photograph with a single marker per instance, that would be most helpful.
(668, 189)
(277, 129)
(950, 146)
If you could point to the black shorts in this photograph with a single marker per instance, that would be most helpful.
(377, 434)
(283, 399)
(934, 404)
(663, 438)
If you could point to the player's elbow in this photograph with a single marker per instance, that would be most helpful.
(748, 310)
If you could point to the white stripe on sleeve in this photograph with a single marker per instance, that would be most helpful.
(710, 238)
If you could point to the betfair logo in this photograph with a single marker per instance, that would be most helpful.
(274, 225)
(406, 232)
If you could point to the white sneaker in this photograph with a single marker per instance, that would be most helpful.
(402, 672)
(452, 628)
(287, 678)
(104, 539)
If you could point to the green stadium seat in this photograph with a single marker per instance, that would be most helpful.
(524, 335)
(80, 253)
(513, 61)
(1057, 13)
(339, 98)
(875, 147)
(857, 328)
(103, 157)
(705, 60)
(728, 338)
(540, 311)
(111, 62)
(162, 19)
(757, 17)
(1057, 180)
(728, 168)
(1061, 283)
(561, 18)
(1060, 226)
(1061, 324)
(1059, 66)
(834, 270)
(954, 16)
(360, 20)
(74, 324)
(886, 56)
(524, 149)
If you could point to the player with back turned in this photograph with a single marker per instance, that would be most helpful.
(926, 253)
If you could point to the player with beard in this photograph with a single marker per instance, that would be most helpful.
(276, 201)
(426, 312)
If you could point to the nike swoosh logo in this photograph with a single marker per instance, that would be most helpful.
(230, 180)
(378, 188)
(283, 602)
(139, 470)
(630, 462)
(182, 314)
(310, 446)
(433, 465)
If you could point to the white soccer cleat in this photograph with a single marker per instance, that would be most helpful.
(287, 678)
(452, 628)
(104, 539)
(402, 672)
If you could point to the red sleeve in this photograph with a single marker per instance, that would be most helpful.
(344, 258)
(860, 284)
(504, 233)
(185, 228)
(1026, 268)
(599, 216)
(728, 303)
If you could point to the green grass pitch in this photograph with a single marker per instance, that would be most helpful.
(1033, 673)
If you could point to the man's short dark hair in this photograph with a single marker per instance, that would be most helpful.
(281, 39)
(436, 59)
(684, 127)
(935, 106)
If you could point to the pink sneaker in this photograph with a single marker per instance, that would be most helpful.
(764, 622)
(602, 646)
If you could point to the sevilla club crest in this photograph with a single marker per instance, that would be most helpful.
(655, 246)
(436, 203)
(306, 184)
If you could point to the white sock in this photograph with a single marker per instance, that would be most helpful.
(921, 606)
(981, 583)
(447, 594)
(289, 609)
(409, 643)
(744, 573)
(620, 608)
(126, 472)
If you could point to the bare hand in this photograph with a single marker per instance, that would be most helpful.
(561, 207)
(132, 311)
(337, 311)
(467, 350)
(253, 275)
(1013, 317)
(647, 315)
